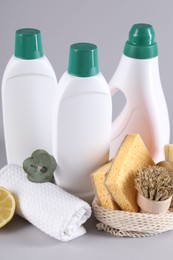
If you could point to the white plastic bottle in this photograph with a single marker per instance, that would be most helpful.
(137, 76)
(28, 90)
(82, 121)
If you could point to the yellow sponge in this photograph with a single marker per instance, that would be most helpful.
(98, 180)
(131, 156)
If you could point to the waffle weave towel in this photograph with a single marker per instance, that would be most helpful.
(45, 205)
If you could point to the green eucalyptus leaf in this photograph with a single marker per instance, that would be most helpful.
(40, 166)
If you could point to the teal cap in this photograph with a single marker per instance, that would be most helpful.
(141, 43)
(83, 60)
(28, 44)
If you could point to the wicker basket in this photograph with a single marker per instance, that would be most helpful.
(128, 224)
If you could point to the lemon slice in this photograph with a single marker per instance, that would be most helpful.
(7, 206)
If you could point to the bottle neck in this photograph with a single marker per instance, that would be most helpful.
(28, 60)
(135, 74)
(139, 65)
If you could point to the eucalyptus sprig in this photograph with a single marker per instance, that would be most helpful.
(40, 166)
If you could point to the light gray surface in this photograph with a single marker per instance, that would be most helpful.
(106, 23)
(22, 241)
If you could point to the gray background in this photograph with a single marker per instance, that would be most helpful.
(105, 23)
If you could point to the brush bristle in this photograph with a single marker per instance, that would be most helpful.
(169, 153)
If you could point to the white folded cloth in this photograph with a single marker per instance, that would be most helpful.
(45, 205)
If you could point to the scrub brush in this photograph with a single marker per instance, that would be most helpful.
(169, 153)
(168, 163)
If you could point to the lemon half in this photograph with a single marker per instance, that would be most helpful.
(7, 206)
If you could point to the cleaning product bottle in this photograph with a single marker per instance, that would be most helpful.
(137, 76)
(28, 90)
(82, 121)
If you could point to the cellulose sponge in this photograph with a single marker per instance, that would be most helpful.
(98, 180)
(132, 155)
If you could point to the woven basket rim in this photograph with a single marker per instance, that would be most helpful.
(132, 224)
(95, 203)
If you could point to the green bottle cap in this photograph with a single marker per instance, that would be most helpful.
(28, 44)
(83, 60)
(141, 43)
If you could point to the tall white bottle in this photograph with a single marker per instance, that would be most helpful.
(82, 121)
(28, 90)
(137, 76)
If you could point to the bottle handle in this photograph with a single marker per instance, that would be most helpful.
(119, 119)
(118, 124)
